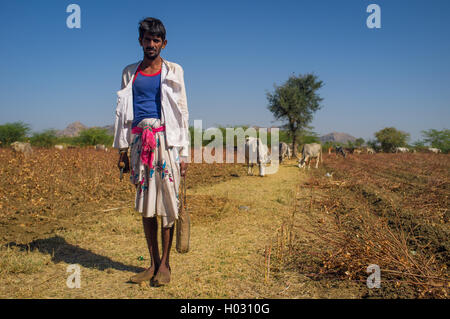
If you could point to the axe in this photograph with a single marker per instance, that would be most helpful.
(121, 165)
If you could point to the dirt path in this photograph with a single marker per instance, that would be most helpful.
(227, 258)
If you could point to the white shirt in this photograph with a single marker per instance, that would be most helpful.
(174, 111)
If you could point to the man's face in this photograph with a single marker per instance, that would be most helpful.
(152, 45)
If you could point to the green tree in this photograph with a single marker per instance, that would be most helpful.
(11, 132)
(308, 137)
(359, 142)
(437, 139)
(374, 144)
(93, 136)
(295, 102)
(390, 138)
(47, 138)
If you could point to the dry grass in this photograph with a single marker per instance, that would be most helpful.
(226, 259)
(14, 260)
(303, 235)
(377, 219)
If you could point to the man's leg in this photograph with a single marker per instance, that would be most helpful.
(163, 275)
(167, 238)
(150, 230)
(151, 235)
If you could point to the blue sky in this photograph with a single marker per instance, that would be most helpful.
(232, 53)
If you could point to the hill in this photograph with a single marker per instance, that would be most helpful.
(337, 137)
(74, 129)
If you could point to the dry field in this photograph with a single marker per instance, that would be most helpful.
(295, 234)
(391, 210)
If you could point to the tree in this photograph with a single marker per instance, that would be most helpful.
(390, 138)
(47, 138)
(295, 102)
(93, 136)
(374, 144)
(437, 139)
(359, 142)
(11, 132)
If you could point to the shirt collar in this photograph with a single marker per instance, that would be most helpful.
(166, 72)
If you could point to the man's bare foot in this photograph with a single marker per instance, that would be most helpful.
(162, 277)
(144, 275)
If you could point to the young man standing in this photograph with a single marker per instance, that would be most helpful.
(152, 122)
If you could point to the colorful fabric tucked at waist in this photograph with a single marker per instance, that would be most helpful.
(148, 142)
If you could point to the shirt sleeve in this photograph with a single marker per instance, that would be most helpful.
(182, 104)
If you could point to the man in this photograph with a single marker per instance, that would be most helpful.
(152, 121)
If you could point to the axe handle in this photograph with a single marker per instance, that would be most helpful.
(122, 165)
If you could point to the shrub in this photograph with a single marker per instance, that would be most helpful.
(438, 139)
(47, 138)
(11, 132)
(93, 136)
(390, 138)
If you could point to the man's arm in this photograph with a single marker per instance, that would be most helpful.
(123, 84)
(125, 78)
(182, 104)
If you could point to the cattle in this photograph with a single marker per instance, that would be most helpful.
(370, 150)
(309, 152)
(256, 153)
(59, 147)
(401, 150)
(101, 147)
(285, 151)
(357, 151)
(22, 147)
(289, 152)
(330, 149)
(340, 150)
(434, 150)
(349, 150)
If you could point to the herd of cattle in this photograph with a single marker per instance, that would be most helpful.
(256, 152)
(311, 151)
(26, 149)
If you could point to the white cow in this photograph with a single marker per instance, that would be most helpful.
(401, 150)
(310, 151)
(434, 150)
(285, 151)
(370, 150)
(256, 153)
(21, 147)
(101, 147)
(59, 147)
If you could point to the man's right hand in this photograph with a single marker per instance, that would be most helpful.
(123, 157)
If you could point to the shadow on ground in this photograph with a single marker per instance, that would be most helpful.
(60, 250)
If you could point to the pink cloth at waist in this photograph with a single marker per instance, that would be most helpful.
(148, 142)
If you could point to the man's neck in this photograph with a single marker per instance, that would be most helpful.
(152, 63)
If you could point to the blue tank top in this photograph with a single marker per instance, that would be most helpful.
(146, 96)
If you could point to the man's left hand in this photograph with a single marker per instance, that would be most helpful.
(183, 168)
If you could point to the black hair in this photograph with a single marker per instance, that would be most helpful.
(152, 25)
